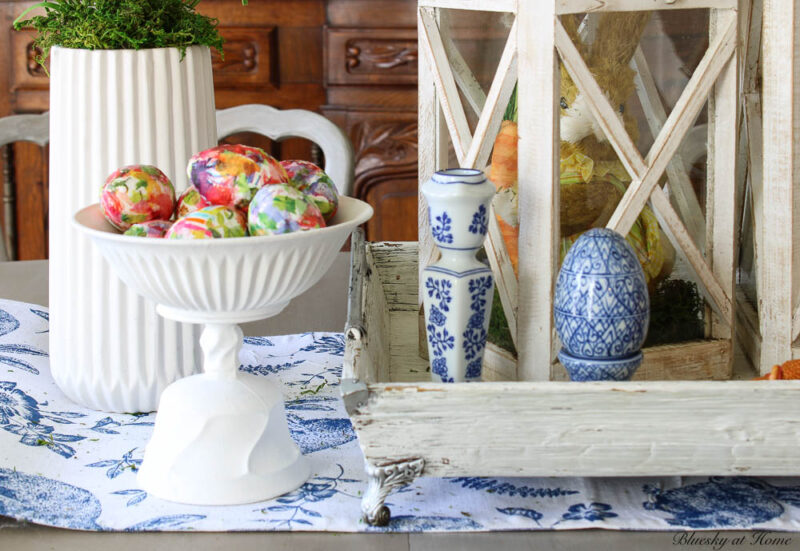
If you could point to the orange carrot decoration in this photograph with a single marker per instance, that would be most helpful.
(787, 370)
(503, 171)
(511, 237)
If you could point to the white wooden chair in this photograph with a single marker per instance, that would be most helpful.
(277, 125)
(261, 119)
(18, 128)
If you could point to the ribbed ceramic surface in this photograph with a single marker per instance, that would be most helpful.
(109, 349)
(226, 275)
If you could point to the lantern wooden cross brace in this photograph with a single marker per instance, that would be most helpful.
(449, 72)
(538, 39)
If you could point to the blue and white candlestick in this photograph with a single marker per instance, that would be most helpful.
(458, 289)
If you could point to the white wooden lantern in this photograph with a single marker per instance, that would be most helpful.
(520, 422)
(536, 41)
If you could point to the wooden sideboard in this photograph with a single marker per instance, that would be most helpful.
(371, 83)
(353, 60)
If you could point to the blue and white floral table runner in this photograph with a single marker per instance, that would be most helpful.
(62, 465)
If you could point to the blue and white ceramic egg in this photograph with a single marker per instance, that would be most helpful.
(601, 306)
(614, 369)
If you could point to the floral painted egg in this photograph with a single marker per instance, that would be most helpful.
(601, 306)
(211, 222)
(282, 209)
(312, 180)
(137, 193)
(230, 175)
(190, 201)
(153, 228)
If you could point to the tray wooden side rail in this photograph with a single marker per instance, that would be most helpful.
(409, 427)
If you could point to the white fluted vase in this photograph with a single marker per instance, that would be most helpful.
(109, 350)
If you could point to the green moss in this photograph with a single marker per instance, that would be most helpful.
(498, 326)
(676, 313)
(120, 24)
(676, 309)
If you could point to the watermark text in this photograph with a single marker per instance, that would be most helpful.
(718, 541)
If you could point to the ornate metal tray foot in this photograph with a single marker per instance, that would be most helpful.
(382, 480)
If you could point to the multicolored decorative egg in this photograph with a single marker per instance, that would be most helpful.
(190, 201)
(135, 194)
(312, 180)
(282, 209)
(153, 228)
(230, 175)
(211, 222)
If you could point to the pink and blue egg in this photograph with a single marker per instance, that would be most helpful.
(190, 201)
(230, 175)
(135, 194)
(214, 222)
(282, 208)
(313, 181)
(153, 228)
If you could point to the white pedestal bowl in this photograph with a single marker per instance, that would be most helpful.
(221, 437)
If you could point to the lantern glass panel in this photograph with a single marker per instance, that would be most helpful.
(645, 64)
(474, 43)
(746, 274)
(642, 62)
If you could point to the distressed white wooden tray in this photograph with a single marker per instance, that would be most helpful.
(408, 426)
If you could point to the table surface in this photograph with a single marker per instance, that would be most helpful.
(322, 308)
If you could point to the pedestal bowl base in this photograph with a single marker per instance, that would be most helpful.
(221, 440)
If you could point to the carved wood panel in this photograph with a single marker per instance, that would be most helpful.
(250, 58)
(371, 82)
(371, 56)
(26, 73)
(380, 54)
(385, 145)
(382, 145)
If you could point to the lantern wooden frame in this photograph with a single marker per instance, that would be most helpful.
(528, 302)
(519, 422)
(777, 201)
